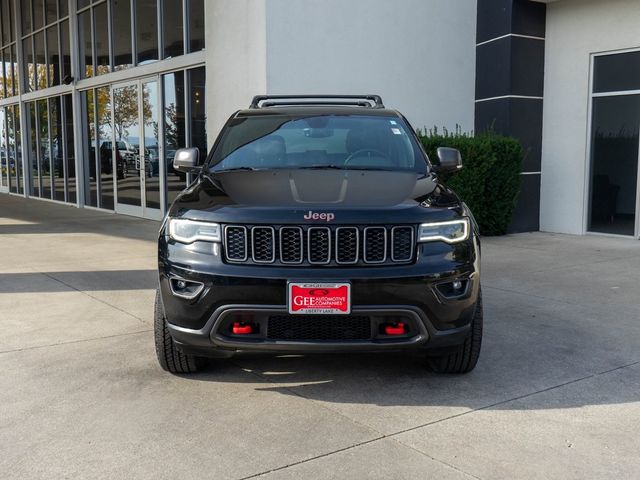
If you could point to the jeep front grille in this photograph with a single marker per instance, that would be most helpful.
(319, 245)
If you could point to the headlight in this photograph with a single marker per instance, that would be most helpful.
(188, 231)
(453, 231)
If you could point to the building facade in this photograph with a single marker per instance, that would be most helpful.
(95, 98)
(98, 94)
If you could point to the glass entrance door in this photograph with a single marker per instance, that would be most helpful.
(4, 154)
(614, 165)
(614, 196)
(136, 148)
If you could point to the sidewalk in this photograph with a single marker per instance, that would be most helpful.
(556, 393)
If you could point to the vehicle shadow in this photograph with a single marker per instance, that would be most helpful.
(402, 379)
(529, 347)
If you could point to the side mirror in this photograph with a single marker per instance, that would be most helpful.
(186, 160)
(450, 160)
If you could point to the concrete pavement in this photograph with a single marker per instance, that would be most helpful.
(556, 393)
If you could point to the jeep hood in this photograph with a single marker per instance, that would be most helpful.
(330, 188)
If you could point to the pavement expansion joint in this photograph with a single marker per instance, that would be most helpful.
(519, 397)
(380, 436)
(441, 420)
(52, 277)
(71, 342)
(300, 395)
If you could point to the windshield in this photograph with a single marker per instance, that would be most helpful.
(329, 141)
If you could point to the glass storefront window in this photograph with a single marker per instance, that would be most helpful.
(9, 80)
(4, 67)
(89, 154)
(177, 122)
(53, 56)
(121, 34)
(6, 14)
(105, 146)
(196, 24)
(38, 14)
(147, 30)
(25, 15)
(51, 11)
(150, 136)
(32, 158)
(121, 13)
(102, 63)
(97, 24)
(174, 130)
(15, 84)
(15, 90)
(172, 28)
(43, 42)
(40, 60)
(85, 44)
(198, 116)
(29, 64)
(68, 152)
(4, 152)
(65, 50)
(616, 73)
(44, 148)
(13, 149)
(50, 146)
(57, 150)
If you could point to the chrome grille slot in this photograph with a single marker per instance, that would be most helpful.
(402, 243)
(235, 244)
(319, 245)
(375, 244)
(347, 245)
(263, 244)
(291, 245)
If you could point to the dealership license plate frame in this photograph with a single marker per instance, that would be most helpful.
(329, 286)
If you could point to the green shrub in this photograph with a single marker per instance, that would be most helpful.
(489, 183)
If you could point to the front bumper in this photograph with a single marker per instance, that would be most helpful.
(410, 292)
(215, 336)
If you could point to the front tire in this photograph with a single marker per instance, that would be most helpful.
(464, 357)
(170, 357)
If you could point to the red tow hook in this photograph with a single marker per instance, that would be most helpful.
(241, 328)
(395, 329)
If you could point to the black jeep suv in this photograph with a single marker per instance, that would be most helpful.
(318, 224)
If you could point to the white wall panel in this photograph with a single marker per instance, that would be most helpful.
(575, 30)
(418, 54)
(236, 55)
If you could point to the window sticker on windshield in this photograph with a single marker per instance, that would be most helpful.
(396, 131)
(393, 122)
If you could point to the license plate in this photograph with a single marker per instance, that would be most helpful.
(319, 298)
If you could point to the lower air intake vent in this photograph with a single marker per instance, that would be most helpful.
(319, 327)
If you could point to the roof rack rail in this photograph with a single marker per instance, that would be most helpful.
(370, 101)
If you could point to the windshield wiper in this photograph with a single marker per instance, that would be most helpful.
(236, 169)
(322, 167)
